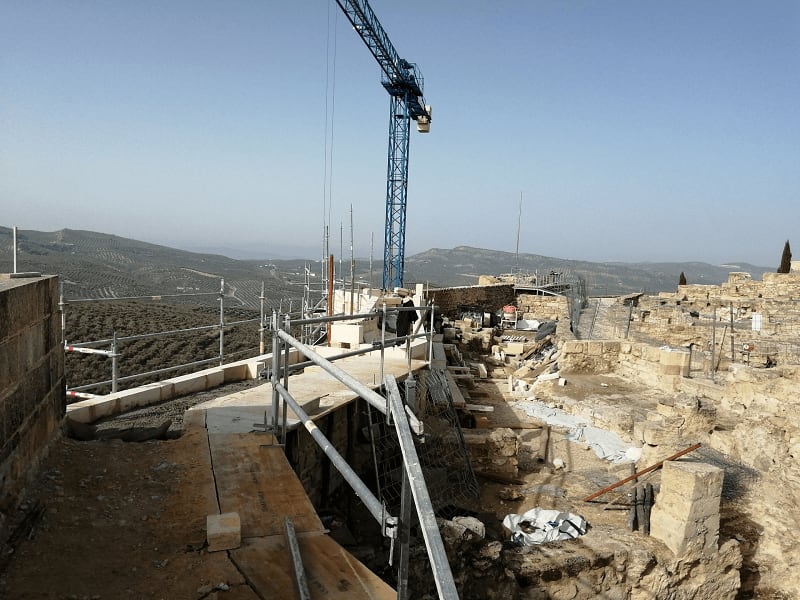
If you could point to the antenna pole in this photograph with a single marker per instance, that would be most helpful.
(519, 222)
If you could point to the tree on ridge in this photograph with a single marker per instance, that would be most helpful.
(786, 259)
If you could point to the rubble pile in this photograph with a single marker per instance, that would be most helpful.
(663, 389)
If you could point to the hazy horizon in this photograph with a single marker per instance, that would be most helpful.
(627, 131)
(250, 252)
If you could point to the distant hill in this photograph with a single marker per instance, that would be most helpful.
(463, 265)
(101, 265)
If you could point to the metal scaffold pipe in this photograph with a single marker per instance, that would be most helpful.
(368, 394)
(374, 506)
(437, 555)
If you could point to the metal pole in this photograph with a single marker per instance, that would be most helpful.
(114, 362)
(330, 295)
(62, 306)
(383, 343)
(373, 505)
(297, 561)
(276, 353)
(221, 322)
(403, 537)
(261, 346)
(630, 315)
(427, 518)
(430, 341)
(285, 376)
(371, 250)
(713, 340)
(733, 355)
(369, 395)
(352, 264)
(15, 248)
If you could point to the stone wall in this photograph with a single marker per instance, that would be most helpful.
(491, 297)
(662, 367)
(319, 477)
(765, 315)
(32, 383)
(493, 450)
(543, 308)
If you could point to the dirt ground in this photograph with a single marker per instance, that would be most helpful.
(110, 519)
(113, 519)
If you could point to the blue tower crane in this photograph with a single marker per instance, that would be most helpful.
(404, 83)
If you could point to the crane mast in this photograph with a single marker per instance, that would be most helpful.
(404, 82)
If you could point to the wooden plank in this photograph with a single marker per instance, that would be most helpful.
(479, 407)
(254, 479)
(332, 572)
(458, 397)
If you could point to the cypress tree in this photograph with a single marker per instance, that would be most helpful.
(682, 279)
(786, 259)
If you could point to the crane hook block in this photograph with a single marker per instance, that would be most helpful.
(424, 121)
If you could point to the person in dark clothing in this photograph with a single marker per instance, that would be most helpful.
(405, 319)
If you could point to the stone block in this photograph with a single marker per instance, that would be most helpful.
(223, 532)
(651, 353)
(254, 368)
(514, 348)
(235, 372)
(674, 362)
(686, 514)
(215, 378)
(188, 384)
(685, 538)
(594, 348)
(573, 347)
(654, 434)
(695, 480)
(348, 335)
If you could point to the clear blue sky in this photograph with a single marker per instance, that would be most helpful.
(634, 130)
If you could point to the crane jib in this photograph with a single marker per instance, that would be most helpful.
(404, 83)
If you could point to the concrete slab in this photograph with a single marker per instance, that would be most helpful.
(314, 389)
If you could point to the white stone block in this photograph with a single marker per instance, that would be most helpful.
(223, 532)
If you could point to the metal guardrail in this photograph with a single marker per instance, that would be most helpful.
(414, 487)
(93, 347)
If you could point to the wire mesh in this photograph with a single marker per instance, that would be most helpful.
(442, 451)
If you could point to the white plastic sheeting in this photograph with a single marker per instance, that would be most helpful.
(606, 444)
(540, 525)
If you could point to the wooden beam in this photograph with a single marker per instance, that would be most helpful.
(640, 473)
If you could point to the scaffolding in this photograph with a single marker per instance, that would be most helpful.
(395, 527)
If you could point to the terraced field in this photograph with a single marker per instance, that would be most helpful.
(100, 320)
(98, 265)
